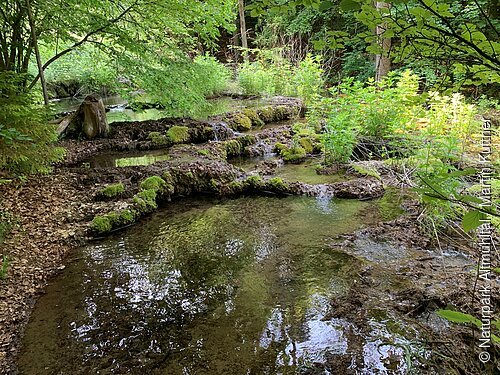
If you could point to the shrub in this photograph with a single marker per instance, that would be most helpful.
(26, 139)
(273, 75)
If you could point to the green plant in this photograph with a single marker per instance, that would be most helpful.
(271, 74)
(459, 317)
(26, 140)
(145, 200)
(112, 191)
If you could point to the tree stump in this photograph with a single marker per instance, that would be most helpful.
(88, 120)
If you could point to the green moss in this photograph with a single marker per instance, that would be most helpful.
(158, 139)
(235, 187)
(101, 224)
(280, 147)
(203, 152)
(294, 154)
(253, 116)
(155, 183)
(267, 114)
(178, 134)
(254, 182)
(145, 200)
(240, 122)
(112, 191)
(276, 184)
(234, 147)
(307, 144)
(127, 216)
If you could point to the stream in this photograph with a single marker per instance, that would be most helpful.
(209, 286)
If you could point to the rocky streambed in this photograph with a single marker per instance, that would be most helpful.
(244, 258)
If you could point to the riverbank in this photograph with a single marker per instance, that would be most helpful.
(56, 212)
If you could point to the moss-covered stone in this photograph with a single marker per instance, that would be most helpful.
(253, 116)
(280, 148)
(266, 114)
(178, 134)
(101, 224)
(155, 183)
(112, 191)
(294, 155)
(276, 184)
(307, 144)
(158, 139)
(145, 200)
(203, 152)
(253, 182)
(240, 122)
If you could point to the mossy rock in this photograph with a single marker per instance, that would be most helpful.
(253, 182)
(112, 191)
(307, 144)
(294, 155)
(178, 134)
(145, 201)
(253, 116)
(233, 147)
(155, 183)
(240, 122)
(276, 184)
(280, 148)
(101, 224)
(266, 114)
(158, 139)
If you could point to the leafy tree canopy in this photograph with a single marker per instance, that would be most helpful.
(461, 36)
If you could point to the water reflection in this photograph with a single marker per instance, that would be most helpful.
(230, 287)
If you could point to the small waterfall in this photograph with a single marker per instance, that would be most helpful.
(222, 131)
(323, 199)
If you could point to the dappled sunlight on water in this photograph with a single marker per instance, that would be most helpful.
(205, 286)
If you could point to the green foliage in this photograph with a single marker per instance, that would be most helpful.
(254, 182)
(273, 75)
(276, 184)
(366, 171)
(81, 72)
(113, 190)
(178, 134)
(459, 317)
(26, 140)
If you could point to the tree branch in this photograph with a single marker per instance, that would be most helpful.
(82, 41)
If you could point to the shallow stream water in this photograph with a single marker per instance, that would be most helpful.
(208, 286)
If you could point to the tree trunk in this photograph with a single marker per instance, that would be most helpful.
(37, 53)
(89, 119)
(382, 61)
(243, 29)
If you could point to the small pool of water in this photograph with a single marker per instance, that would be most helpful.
(207, 287)
(303, 172)
(126, 159)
